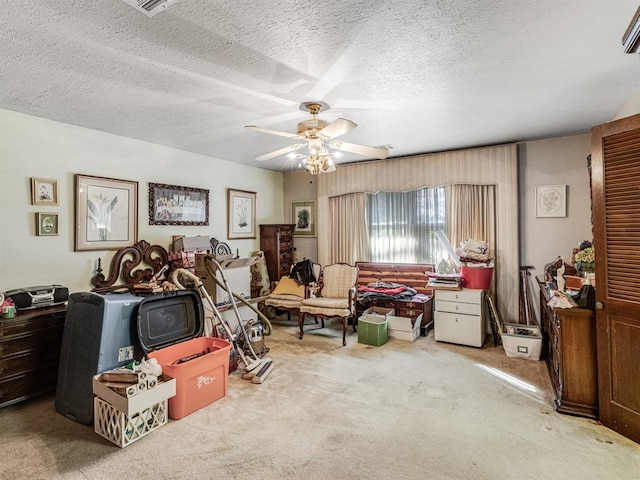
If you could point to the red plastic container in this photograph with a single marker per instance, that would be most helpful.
(170, 329)
(477, 278)
(200, 381)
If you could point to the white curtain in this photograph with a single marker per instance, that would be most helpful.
(471, 212)
(348, 230)
(402, 225)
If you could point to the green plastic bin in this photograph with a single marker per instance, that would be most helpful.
(372, 329)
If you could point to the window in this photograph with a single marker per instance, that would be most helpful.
(402, 226)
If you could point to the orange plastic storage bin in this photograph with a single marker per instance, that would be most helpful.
(477, 278)
(200, 367)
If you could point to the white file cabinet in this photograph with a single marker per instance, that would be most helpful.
(460, 317)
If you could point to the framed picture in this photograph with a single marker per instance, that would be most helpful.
(551, 201)
(46, 224)
(106, 213)
(241, 214)
(303, 215)
(44, 191)
(175, 205)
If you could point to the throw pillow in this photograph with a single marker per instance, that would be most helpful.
(288, 286)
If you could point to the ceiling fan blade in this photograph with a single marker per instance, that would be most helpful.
(282, 151)
(363, 150)
(272, 132)
(336, 128)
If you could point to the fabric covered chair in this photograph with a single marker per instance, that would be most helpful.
(287, 294)
(336, 297)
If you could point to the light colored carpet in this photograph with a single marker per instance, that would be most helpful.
(403, 410)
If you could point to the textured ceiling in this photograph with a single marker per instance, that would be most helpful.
(423, 76)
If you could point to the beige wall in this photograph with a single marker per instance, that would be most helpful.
(33, 147)
(555, 161)
(631, 107)
(301, 186)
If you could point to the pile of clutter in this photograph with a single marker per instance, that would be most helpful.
(474, 252)
(133, 378)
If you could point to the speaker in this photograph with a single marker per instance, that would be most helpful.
(99, 334)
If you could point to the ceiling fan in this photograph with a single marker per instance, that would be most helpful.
(319, 134)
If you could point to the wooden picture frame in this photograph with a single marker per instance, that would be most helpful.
(176, 205)
(106, 213)
(303, 216)
(551, 201)
(44, 191)
(241, 214)
(47, 224)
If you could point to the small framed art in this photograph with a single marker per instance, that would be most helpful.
(44, 191)
(47, 224)
(551, 201)
(241, 214)
(303, 215)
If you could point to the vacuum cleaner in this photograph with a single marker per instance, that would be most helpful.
(256, 368)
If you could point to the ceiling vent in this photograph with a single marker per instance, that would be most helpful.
(631, 38)
(149, 7)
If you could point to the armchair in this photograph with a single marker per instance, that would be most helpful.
(287, 295)
(336, 297)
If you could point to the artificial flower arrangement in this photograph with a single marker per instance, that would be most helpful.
(585, 258)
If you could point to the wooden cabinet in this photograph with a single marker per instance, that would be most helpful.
(276, 241)
(29, 353)
(411, 308)
(569, 348)
(460, 317)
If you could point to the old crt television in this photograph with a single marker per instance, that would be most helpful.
(99, 334)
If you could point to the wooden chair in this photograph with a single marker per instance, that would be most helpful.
(287, 295)
(335, 298)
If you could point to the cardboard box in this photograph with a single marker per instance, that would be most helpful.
(200, 243)
(401, 328)
(522, 341)
(372, 329)
(377, 312)
(136, 403)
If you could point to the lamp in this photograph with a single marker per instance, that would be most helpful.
(319, 161)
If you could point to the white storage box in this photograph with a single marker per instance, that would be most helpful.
(522, 341)
(401, 328)
(237, 271)
(123, 420)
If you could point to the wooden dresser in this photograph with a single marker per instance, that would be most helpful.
(276, 241)
(569, 348)
(29, 353)
(410, 274)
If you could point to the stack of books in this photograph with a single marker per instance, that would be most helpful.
(442, 281)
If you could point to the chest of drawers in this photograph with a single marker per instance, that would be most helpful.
(29, 353)
(460, 317)
(276, 241)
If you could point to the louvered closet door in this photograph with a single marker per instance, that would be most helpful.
(616, 218)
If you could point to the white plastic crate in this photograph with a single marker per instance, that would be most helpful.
(123, 420)
(123, 430)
